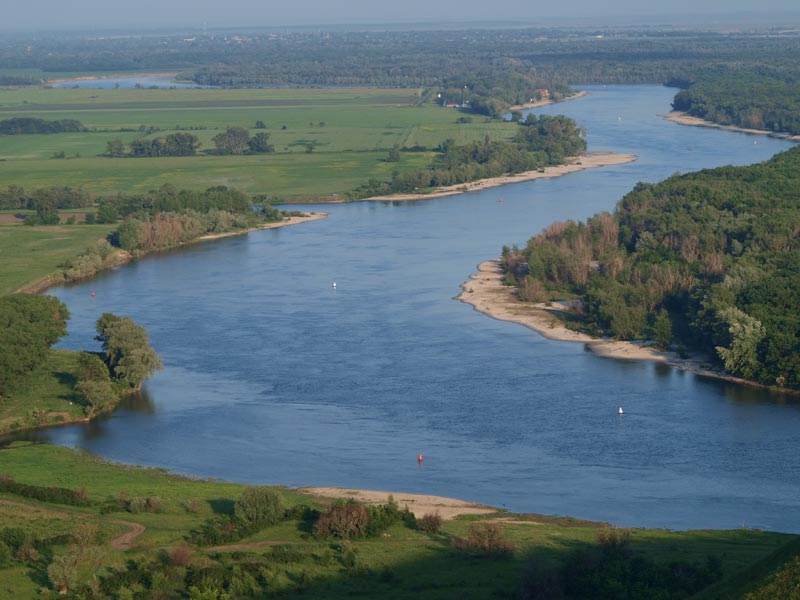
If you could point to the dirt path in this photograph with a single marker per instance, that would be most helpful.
(121, 542)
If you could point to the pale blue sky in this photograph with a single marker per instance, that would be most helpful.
(70, 14)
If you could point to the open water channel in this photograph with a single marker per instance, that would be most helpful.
(274, 377)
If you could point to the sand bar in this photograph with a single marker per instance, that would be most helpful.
(486, 293)
(419, 504)
(685, 119)
(548, 101)
(574, 163)
(312, 216)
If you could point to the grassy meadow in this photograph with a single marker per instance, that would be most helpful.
(351, 131)
(402, 563)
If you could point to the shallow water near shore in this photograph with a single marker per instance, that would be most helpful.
(273, 376)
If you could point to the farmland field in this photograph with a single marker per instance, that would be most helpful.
(350, 132)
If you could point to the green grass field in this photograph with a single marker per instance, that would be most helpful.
(404, 563)
(351, 130)
(29, 254)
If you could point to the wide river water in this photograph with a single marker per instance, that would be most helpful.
(274, 377)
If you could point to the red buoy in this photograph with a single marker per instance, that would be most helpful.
(419, 458)
(92, 294)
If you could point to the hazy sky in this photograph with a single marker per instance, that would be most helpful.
(70, 14)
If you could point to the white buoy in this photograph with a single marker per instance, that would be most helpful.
(621, 411)
(334, 285)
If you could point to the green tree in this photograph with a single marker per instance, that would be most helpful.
(115, 148)
(259, 505)
(63, 573)
(259, 143)
(662, 330)
(234, 140)
(107, 213)
(129, 355)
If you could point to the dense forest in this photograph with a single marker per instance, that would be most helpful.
(708, 261)
(541, 141)
(488, 69)
(751, 100)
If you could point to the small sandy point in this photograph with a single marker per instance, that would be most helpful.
(419, 504)
(547, 101)
(685, 119)
(313, 216)
(574, 163)
(486, 293)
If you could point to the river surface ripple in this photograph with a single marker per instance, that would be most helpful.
(272, 376)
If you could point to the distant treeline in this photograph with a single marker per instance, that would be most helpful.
(21, 125)
(541, 141)
(708, 260)
(745, 100)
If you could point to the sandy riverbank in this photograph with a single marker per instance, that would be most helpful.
(685, 119)
(486, 293)
(590, 160)
(312, 216)
(419, 504)
(540, 103)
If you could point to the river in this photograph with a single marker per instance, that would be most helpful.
(272, 376)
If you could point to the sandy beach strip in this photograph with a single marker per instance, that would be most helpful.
(112, 76)
(548, 101)
(590, 160)
(419, 504)
(486, 293)
(685, 119)
(312, 216)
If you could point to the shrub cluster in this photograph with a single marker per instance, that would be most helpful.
(485, 539)
(56, 495)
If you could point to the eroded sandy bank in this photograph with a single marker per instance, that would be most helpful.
(685, 119)
(575, 163)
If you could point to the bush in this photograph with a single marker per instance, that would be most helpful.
(485, 539)
(346, 520)
(5, 556)
(259, 506)
(56, 495)
(430, 523)
(180, 556)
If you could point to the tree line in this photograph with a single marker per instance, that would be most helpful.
(23, 125)
(234, 140)
(708, 261)
(540, 141)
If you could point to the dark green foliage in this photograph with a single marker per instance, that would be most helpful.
(708, 259)
(56, 495)
(23, 125)
(29, 326)
(259, 144)
(611, 571)
(750, 100)
(259, 506)
(175, 144)
(128, 353)
(783, 584)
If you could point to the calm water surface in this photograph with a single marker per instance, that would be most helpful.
(127, 82)
(272, 376)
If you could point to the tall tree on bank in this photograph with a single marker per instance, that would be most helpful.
(29, 326)
(129, 356)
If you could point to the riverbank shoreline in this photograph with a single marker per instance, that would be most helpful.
(110, 76)
(548, 101)
(574, 164)
(487, 294)
(121, 257)
(686, 119)
(418, 504)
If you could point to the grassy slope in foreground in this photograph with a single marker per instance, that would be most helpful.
(351, 131)
(31, 253)
(406, 564)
